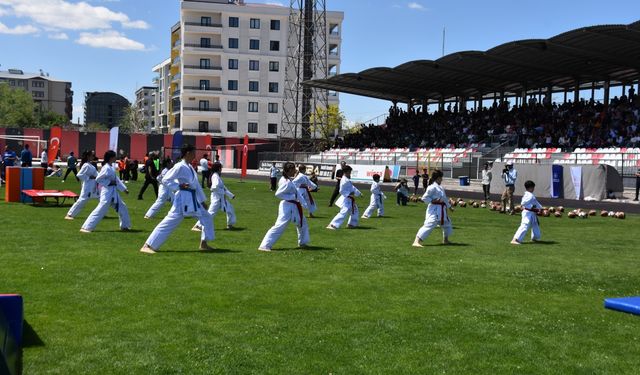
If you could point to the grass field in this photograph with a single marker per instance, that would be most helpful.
(360, 301)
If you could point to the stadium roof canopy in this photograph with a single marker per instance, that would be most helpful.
(577, 58)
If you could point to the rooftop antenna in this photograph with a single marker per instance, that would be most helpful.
(443, 38)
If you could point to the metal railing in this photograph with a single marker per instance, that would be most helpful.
(199, 88)
(201, 109)
(203, 67)
(197, 45)
(203, 24)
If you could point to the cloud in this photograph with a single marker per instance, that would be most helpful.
(4, 12)
(58, 36)
(416, 6)
(275, 3)
(109, 39)
(18, 30)
(72, 16)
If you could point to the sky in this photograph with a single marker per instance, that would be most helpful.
(112, 45)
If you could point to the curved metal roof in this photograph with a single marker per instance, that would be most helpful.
(584, 55)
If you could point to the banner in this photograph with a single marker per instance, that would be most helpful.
(556, 181)
(245, 156)
(54, 144)
(576, 178)
(113, 139)
(365, 172)
(321, 170)
(176, 145)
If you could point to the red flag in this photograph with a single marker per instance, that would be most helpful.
(54, 143)
(245, 155)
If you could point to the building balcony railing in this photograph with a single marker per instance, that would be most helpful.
(203, 67)
(203, 24)
(175, 93)
(200, 88)
(198, 109)
(177, 44)
(196, 45)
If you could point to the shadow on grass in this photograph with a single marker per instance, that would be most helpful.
(30, 337)
(540, 243)
(120, 231)
(214, 251)
(235, 229)
(360, 228)
(308, 248)
(450, 244)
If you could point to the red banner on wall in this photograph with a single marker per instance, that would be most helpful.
(245, 156)
(54, 143)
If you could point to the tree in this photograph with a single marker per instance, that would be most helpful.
(16, 107)
(47, 119)
(132, 121)
(325, 122)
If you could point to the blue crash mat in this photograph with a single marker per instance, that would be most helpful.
(626, 304)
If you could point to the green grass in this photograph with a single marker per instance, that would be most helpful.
(363, 301)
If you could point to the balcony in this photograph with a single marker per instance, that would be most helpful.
(200, 112)
(203, 67)
(203, 48)
(202, 70)
(199, 27)
(202, 91)
(177, 44)
(176, 78)
(175, 94)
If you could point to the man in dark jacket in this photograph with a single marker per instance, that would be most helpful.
(336, 190)
(150, 175)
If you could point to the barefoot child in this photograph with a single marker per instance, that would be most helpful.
(164, 195)
(376, 199)
(87, 176)
(530, 208)
(290, 211)
(436, 215)
(305, 186)
(346, 202)
(219, 201)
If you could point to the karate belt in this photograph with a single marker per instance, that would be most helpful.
(193, 196)
(299, 207)
(311, 202)
(443, 211)
(380, 199)
(534, 210)
(353, 205)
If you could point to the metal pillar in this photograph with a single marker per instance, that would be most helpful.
(576, 92)
(607, 89)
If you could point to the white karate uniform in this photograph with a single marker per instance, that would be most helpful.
(304, 186)
(290, 210)
(529, 218)
(376, 200)
(436, 212)
(186, 203)
(164, 196)
(87, 175)
(347, 204)
(109, 186)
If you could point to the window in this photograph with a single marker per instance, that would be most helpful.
(203, 126)
(205, 42)
(205, 63)
(254, 23)
(232, 106)
(204, 84)
(273, 107)
(274, 45)
(38, 94)
(275, 24)
(274, 66)
(253, 106)
(203, 105)
(37, 84)
(254, 86)
(234, 22)
(232, 126)
(254, 65)
(205, 21)
(273, 86)
(252, 127)
(232, 85)
(254, 44)
(233, 63)
(233, 42)
(272, 128)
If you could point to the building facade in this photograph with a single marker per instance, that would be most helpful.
(228, 60)
(48, 93)
(161, 100)
(145, 106)
(105, 108)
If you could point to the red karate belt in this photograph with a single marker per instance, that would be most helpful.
(443, 208)
(299, 207)
(353, 205)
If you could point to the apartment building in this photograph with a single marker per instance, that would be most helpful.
(48, 93)
(145, 105)
(228, 61)
(161, 99)
(105, 108)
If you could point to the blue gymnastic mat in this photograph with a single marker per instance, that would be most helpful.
(625, 304)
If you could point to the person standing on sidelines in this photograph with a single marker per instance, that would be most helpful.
(487, 175)
(416, 181)
(72, 163)
(637, 184)
(305, 186)
(150, 175)
(189, 200)
(87, 175)
(530, 209)
(346, 202)
(44, 159)
(509, 176)
(206, 173)
(273, 176)
(218, 199)
(164, 195)
(436, 215)
(110, 184)
(289, 211)
(26, 158)
(376, 200)
(336, 189)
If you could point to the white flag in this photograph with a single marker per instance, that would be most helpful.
(113, 139)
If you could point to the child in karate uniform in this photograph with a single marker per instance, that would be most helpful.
(376, 199)
(530, 208)
(346, 202)
(219, 201)
(188, 201)
(290, 210)
(305, 186)
(110, 184)
(164, 195)
(87, 176)
(436, 214)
